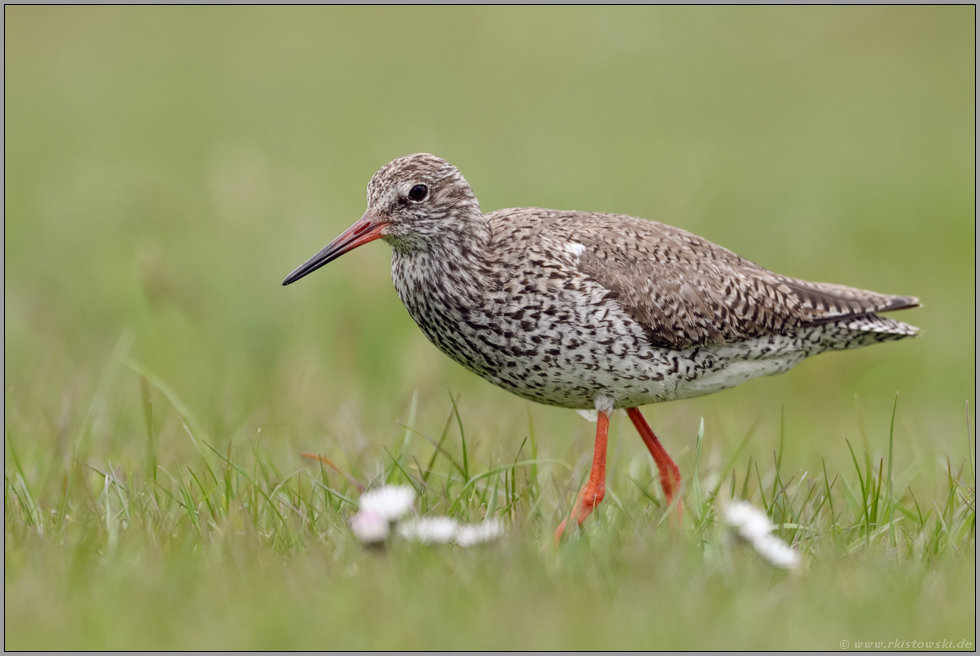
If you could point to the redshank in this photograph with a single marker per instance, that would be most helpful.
(595, 311)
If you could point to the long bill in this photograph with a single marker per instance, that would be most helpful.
(363, 231)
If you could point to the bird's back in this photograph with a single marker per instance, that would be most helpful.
(684, 290)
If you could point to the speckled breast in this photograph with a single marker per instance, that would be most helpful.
(547, 339)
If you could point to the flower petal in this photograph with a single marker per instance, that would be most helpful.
(370, 527)
(428, 530)
(468, 535)
(776, 551)
(755, 527)
(748, 520)
(389, 501)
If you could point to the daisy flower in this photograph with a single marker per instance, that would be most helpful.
(428, 530)
(370, 527)
(391, 502)
(468, 535)
(755, 527)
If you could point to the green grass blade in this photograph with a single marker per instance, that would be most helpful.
(889, 491)
(342, 497)
(438, 446)
(497, 470)
(699, 442)
(151, 449)
(534, 447)
(971, 444)
(462, 438)
(33, 511)
(730, 465)
(401, 469)
(192, 425)
(407, 437)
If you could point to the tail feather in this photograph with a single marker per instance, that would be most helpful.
(856, 332)
(874, 324)
(828, 303)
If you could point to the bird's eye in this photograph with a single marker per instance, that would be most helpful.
(418, 192)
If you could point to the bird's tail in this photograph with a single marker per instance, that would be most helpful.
(865, 330)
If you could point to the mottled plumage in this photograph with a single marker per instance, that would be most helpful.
(587, 310)
(561, 307)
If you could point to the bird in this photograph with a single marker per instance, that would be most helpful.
(594, 311)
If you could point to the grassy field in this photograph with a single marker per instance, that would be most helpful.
(165, 168)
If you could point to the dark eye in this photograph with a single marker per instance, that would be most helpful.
(418, 192)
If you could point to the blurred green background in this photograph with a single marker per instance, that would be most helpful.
(166, 167)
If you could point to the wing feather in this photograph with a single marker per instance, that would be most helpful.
(687, 291)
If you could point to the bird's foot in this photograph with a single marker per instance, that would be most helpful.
(670, 473)
(593, 492)
(590, 497)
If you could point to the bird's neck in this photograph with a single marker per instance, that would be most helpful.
(451, 268)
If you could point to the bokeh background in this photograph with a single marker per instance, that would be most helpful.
(166, 167)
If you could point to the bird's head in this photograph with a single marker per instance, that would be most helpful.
(413, 202)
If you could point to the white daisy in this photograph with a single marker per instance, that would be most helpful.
(428, 530)
(370, 527)
(755, 527)
(776, 551)
(389, 501)
(748, 520)
(468, 535)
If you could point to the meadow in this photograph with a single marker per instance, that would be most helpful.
(165, 168)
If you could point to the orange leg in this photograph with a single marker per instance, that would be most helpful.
(593, 492)
(670, 474)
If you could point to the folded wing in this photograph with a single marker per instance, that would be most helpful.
(688, 292)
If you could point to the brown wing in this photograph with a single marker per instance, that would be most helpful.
(689, 292)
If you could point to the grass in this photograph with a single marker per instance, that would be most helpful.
(166, 167)
(229, 550)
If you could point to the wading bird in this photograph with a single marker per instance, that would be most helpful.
(595, 311)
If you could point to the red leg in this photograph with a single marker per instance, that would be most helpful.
(670, 474)
(593, 492)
